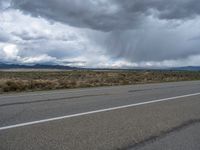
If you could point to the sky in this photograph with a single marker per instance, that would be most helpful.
(101, 33)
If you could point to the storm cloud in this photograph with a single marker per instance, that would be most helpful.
(108, 15)
(113, 33)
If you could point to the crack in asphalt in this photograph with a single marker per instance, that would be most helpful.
(50, 100)
(162, 134)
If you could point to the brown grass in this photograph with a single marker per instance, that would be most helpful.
(34, 81)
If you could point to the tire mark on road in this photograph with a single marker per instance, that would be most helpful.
(50, 100)
(137, 146)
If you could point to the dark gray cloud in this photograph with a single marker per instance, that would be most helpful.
(170, 9)
(100, 14)
(108, 15)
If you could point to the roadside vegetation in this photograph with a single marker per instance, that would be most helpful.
(35, 81)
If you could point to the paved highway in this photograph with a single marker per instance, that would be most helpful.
(186, 138)
(122, 117)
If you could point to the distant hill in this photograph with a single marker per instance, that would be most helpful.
(36, 66)
(60, 67)
(187, 68)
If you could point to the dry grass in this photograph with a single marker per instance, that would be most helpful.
(34, 81)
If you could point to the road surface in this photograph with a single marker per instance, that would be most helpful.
(187, 138)
(124, 117)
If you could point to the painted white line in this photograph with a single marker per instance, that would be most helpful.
(96, 111)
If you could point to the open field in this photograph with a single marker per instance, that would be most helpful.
(35, 81)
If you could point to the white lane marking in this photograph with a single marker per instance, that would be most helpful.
(96, 111)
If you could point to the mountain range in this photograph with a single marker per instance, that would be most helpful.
(36, 66)
(61, 67)
(187, 68)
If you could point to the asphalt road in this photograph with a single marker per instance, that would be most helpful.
(187, 138)
(123, 117)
